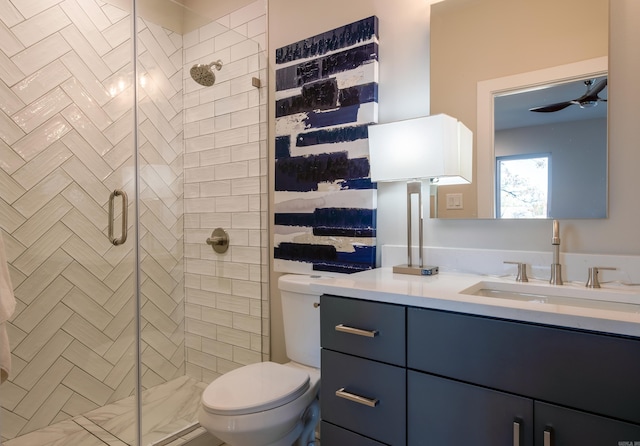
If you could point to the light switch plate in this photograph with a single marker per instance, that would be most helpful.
(454, 201)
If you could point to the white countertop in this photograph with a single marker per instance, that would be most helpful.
(610, 309)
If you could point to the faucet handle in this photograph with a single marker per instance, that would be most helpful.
(592, 280)
(522, 271)
(555, 238)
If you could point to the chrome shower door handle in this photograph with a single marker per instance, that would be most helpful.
(125, 205)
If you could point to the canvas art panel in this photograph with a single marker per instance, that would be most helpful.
(325, 202)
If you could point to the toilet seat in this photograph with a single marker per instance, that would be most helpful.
(255, 388)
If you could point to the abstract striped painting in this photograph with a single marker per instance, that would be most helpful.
(325, 202)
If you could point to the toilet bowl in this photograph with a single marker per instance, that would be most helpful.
(262, 404)
(267, 403)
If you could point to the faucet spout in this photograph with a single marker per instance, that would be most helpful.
(556, 268)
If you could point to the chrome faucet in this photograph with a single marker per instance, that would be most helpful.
(556, 268)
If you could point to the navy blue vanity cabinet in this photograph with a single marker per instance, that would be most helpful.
(480, 380)
(395, 375)
(363, 391)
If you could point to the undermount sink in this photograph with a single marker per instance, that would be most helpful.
(567, 295)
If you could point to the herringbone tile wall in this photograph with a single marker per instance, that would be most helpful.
(66, 130)
(66, 142)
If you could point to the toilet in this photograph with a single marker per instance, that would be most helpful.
(271, 404)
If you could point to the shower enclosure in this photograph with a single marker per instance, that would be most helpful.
(114, 171)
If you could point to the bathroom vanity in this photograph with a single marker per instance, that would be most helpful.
(415, 361)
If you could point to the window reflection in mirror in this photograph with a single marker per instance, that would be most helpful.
(522, 185)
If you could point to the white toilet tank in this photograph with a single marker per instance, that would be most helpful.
(301, 319)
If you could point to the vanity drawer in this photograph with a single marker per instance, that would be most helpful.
(583, 370)
(368, 329)
(337, 436)
(364, 396)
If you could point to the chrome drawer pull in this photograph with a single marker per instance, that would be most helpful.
(516, 432)
(548, 437)
(370, 402)
(357, 331)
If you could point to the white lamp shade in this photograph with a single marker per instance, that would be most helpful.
(437, 147)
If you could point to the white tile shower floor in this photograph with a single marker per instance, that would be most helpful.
(166, 409)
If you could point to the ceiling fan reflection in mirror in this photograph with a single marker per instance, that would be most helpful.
(587, 100)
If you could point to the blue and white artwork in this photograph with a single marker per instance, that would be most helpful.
(325, 202)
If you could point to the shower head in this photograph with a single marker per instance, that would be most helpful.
(203, 73)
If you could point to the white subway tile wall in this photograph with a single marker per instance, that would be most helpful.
(225, 186)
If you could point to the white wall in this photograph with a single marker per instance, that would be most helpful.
(404, 93)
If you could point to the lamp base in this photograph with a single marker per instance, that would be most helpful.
(416, 270)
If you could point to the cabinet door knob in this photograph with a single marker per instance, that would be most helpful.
(369, 402)
(356, 331)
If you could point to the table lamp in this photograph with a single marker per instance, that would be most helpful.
(437, 148)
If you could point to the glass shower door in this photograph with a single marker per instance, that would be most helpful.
(67, 146)
(202, 149)
(84, 124)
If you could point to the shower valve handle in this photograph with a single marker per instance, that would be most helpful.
(219, 240)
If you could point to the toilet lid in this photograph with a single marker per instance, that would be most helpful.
(254, 388)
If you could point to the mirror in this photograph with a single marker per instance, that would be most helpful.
(573, 140)
(483, 49)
